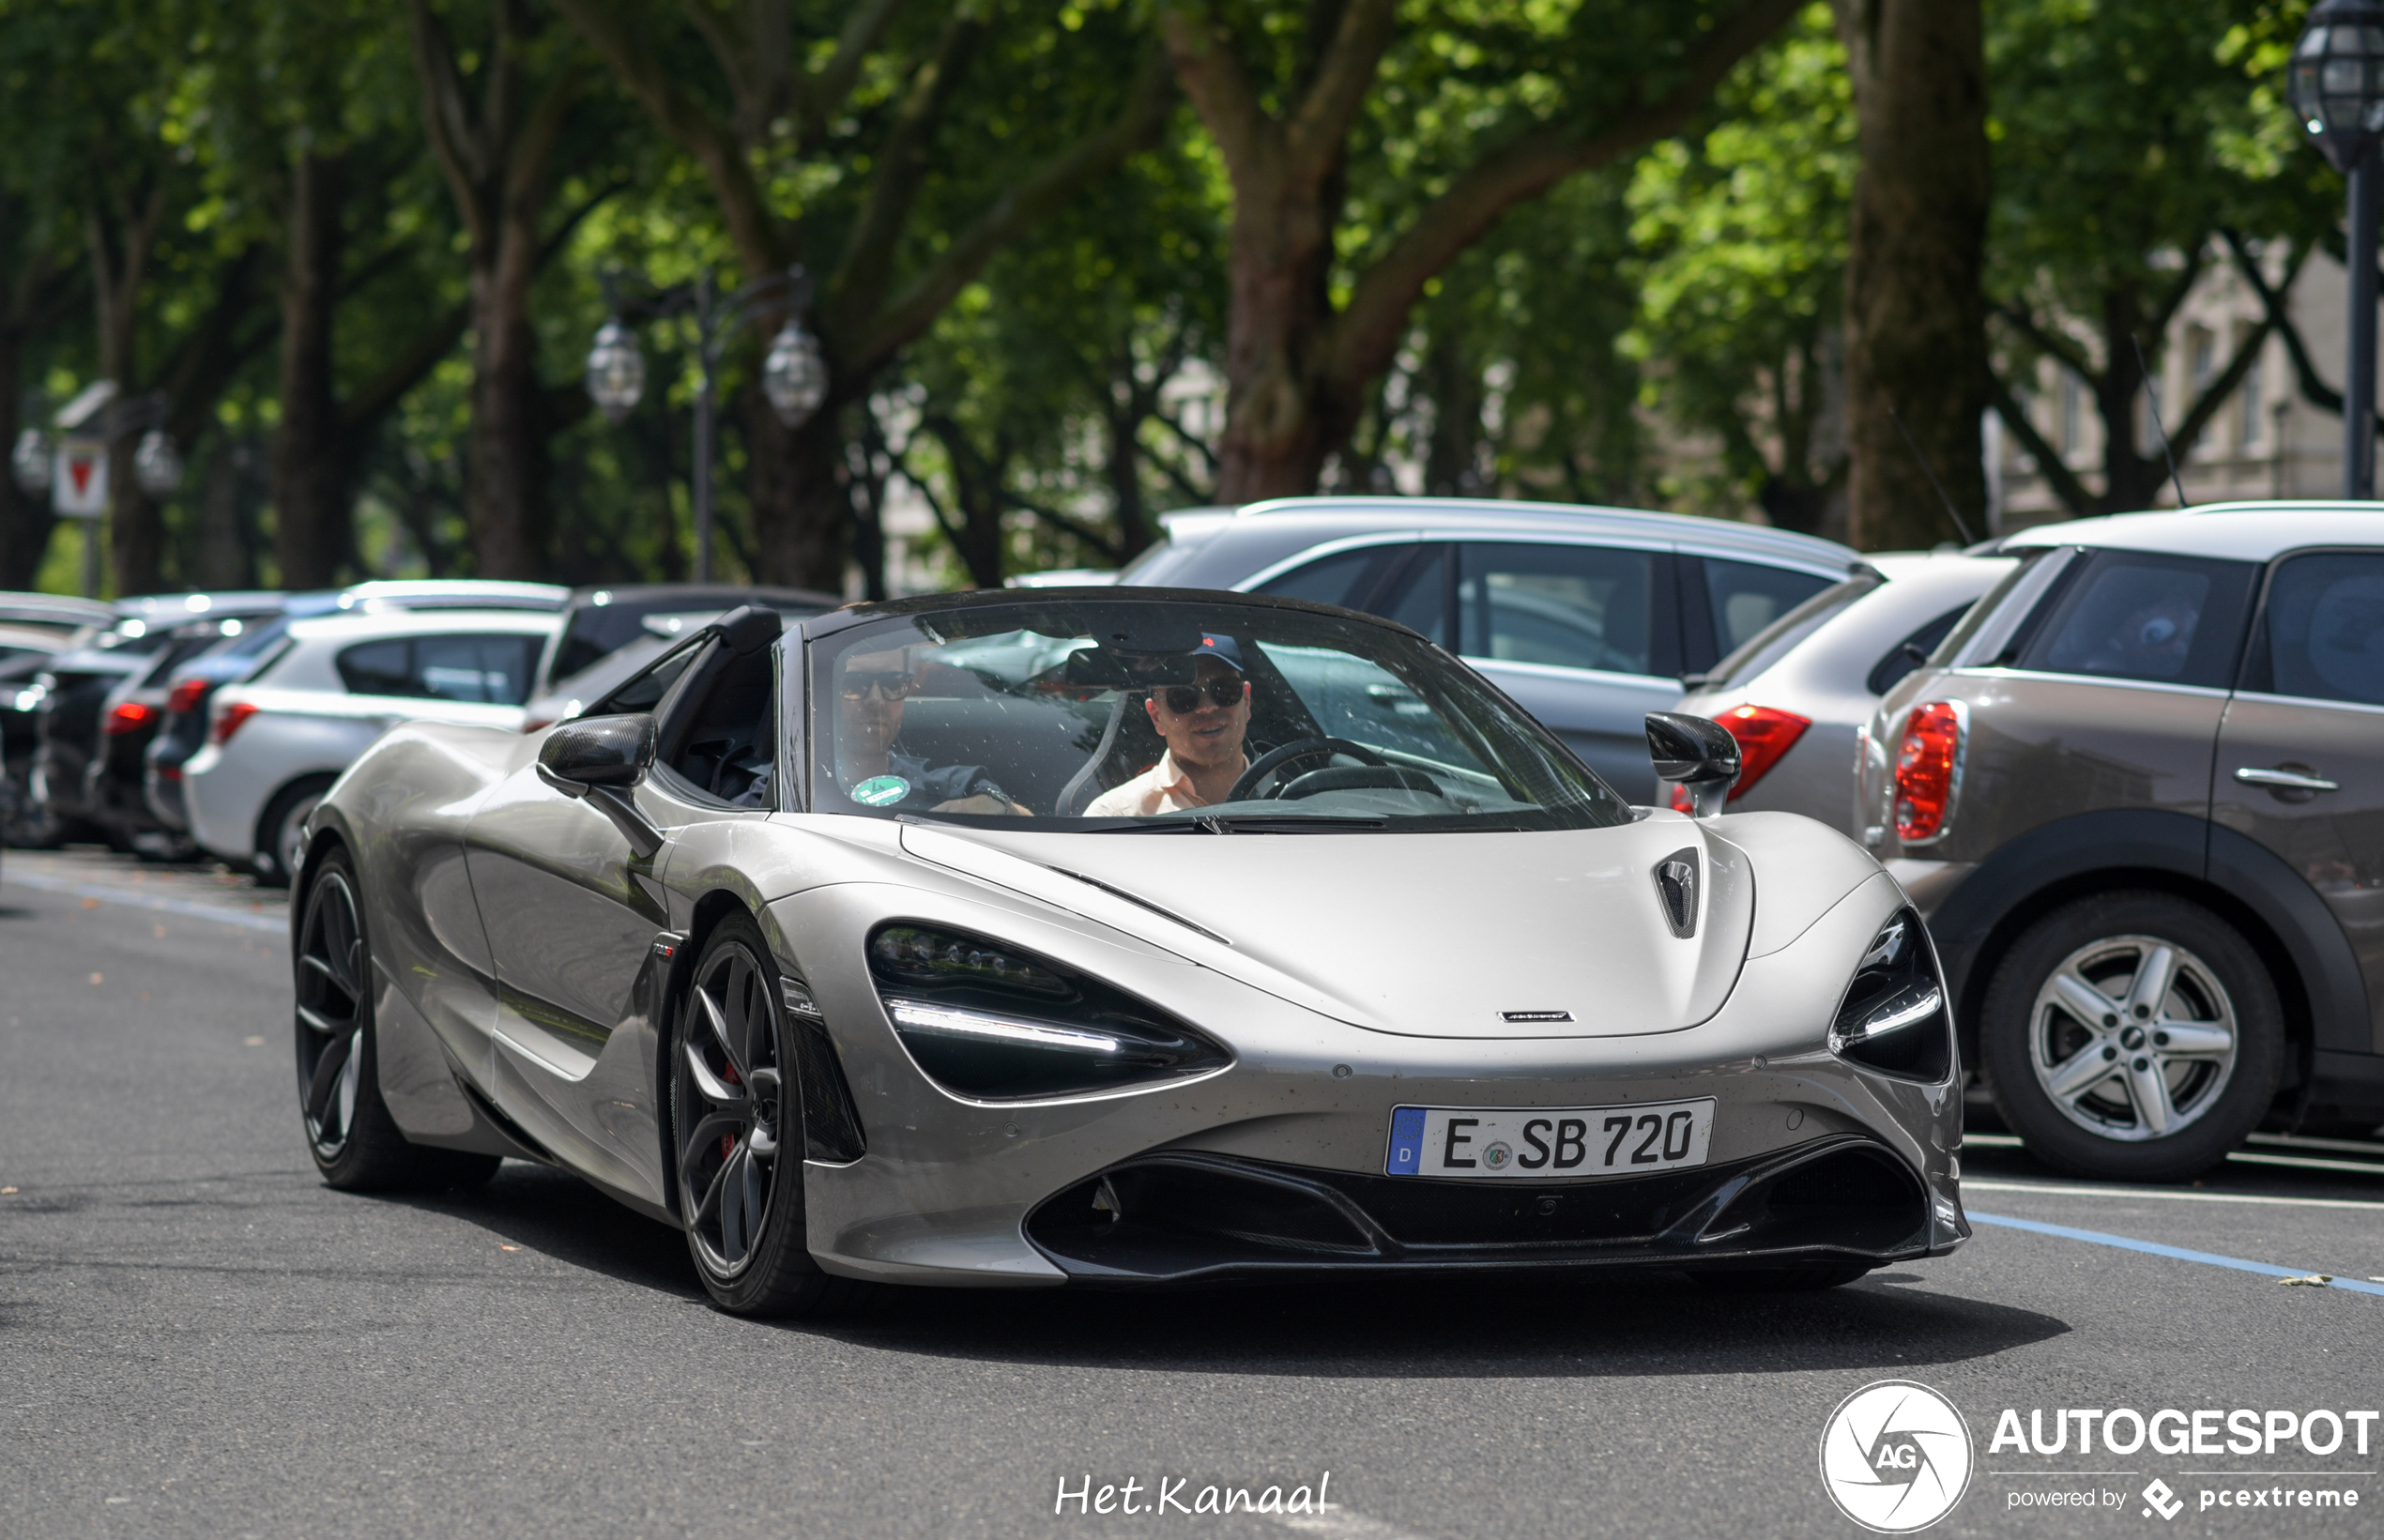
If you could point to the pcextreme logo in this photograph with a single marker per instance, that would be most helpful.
(1895, 1457)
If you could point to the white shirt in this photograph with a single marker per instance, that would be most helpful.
(1162, 788)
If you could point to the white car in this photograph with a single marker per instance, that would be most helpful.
(278, 741)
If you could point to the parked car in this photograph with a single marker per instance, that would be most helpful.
(73, 691)
(155, 721)
(182, 730)
(277, 740)
(24, 652)
(2139, 793)
(1588, 617)
(1447, 1009)
(1799, 694)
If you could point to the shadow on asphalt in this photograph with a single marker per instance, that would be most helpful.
(1640, 1324)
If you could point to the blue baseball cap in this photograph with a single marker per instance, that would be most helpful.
(1223, 649)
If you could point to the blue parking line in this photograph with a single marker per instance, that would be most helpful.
(2208, 1258)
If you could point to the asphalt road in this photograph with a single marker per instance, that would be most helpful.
(197, 1338)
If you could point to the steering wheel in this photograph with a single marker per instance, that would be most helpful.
(1298, 749)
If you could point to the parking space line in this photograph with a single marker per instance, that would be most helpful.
(1340, 1523)
(247, 921)
(1979, 1186)
(2208, 1259)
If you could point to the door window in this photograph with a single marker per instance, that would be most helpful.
(1337, 579)
(1747, 596)
(1574, 606)
(2132, 614)
(2326, 628)
(480, 670)
(721, 740)
(1418, 596)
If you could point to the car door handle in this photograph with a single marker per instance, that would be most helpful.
(2285, 779)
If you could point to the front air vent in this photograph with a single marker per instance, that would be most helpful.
(1677, 879)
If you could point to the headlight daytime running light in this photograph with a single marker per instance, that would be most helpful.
(990, 1022)
(1893, 1019)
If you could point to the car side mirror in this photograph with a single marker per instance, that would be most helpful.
(1700, 754)
(599, 759)
(596, 751)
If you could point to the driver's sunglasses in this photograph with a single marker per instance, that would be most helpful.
(1184, 700)
(886, 686)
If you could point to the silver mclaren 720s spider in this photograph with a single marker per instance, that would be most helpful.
(1119, 937)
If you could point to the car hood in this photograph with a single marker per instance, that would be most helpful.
(1458, 935)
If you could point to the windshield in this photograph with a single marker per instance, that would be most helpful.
(1166, 716)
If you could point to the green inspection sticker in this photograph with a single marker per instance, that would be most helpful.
(879, 790)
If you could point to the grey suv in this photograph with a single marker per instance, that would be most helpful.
(1587, 617)
(2139, 794)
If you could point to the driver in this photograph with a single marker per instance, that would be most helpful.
(1203, 723)
(873, 690)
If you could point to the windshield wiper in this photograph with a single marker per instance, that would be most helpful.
(1248, 823)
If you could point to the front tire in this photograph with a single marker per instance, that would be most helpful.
(2133, 1036)
(737, 1134)
(356, 1144)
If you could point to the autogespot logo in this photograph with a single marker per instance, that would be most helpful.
(1895, 1457)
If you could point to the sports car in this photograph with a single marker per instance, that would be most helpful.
(1099, 936)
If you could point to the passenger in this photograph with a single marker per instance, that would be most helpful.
(872, 692)
(1204, 725)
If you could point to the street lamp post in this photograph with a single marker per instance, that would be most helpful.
(2335, 82)
(794, 374)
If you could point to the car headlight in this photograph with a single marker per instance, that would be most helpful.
(1893, 1018)
(991, 1022)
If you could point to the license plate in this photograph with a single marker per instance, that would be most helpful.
(1536, 1143)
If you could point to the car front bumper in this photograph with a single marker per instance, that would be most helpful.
(1293, 1133)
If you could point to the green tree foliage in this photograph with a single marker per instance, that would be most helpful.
(1743, 231)
(2134, 142)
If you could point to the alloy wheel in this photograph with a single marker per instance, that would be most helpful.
(330, 1014)
(2133, 1038)
(727, 1095)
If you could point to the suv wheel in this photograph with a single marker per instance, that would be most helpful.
(2133, 1035)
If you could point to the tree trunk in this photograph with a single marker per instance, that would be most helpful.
(1282, 416)
(25, 520)
(1916, 314)
(508, 442)
(800, 515)
(312, 534)
(135, 532)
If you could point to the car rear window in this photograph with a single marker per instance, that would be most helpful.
(489, 670)
(2326, 628)
(2135, 615)
(1775, 641)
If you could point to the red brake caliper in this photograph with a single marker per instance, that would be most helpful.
(729, 1141)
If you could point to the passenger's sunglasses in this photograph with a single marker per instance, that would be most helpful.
(885, 686)
(1184, 700)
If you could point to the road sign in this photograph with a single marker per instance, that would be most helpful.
(79, 488)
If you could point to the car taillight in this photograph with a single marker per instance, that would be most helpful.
(188, 696)
(1929, 768)
(1763, 735)
(229, 720)
(129, 716)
